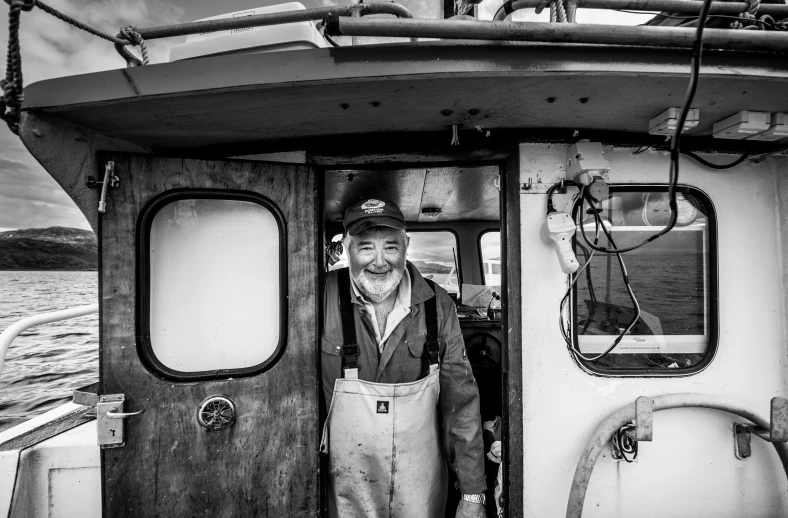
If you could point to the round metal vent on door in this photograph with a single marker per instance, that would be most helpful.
(216, 413)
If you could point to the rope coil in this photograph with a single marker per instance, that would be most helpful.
(747, 19)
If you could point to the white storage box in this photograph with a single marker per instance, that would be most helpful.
(269, 38)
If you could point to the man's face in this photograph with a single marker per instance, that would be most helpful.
(377, 260)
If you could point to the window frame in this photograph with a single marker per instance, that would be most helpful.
(481, 255)
(144, 222)
(713, 293)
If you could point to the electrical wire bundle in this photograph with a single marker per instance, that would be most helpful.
(585, 198)
(626, 443)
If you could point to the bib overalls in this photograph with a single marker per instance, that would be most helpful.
(385, 455)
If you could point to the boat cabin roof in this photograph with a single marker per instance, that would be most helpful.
(325, 100)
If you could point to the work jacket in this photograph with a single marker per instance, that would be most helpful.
(401, 362)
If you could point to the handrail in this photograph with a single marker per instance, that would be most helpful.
(260, 20)
(16, 328)
(640, 36)
(606, 429)
(669, 6)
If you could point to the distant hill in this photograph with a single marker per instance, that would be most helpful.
(53, 248)
(425, 267)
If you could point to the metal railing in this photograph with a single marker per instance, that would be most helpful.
(347, 21)
(670, 37)
(667, 6)
(261, 20)
(17, 328)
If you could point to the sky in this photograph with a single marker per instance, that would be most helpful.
(29, 197)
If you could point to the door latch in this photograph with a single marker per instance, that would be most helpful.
(110, 180)
(110, 416)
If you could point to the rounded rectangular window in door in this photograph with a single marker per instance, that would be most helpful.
(213, 288)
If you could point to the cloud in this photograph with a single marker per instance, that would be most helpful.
(29, 197)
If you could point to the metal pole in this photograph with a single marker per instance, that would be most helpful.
(260, 20)
(641, 36)
(778, 11)
(16, 328)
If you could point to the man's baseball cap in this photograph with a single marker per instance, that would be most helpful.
(372, 213)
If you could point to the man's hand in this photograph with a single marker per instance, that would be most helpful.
(470, 510)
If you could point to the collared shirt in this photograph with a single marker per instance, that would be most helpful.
(401, 362)
(398, 312)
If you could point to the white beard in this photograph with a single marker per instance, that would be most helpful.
(378, 290)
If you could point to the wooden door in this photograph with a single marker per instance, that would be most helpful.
(265, 461)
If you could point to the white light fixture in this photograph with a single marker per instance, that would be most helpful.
(778, 128)
(666, 122)
(744, 124)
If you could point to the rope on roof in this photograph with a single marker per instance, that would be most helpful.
(12, 85)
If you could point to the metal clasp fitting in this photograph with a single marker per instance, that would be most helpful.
(110, 179)
(777, 432)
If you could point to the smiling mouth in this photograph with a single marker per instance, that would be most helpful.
(378, 274)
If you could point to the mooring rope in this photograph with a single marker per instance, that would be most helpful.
(557, 10)
(747, 19)
(12, 85)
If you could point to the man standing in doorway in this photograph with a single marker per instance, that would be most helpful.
(402, 397)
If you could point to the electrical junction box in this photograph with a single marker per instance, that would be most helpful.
(268, 38)
(778, 129)
(742, 125)
(666, 122)
(584, 161)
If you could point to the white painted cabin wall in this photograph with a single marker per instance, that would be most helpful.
(689, 469)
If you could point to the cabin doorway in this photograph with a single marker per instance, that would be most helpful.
(454, 221)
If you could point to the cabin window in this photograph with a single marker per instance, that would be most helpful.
(490, 246)
(213, 304)
(673, 279)
(436, 256)
(434, 253)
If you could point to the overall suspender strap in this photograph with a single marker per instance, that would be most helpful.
(350, 349)
(431, 347)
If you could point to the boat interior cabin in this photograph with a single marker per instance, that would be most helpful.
(454, 224)
(614, 239)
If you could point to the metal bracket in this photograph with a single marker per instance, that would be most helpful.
(741, 441)
(87, 395)
(777, 432)
(110, 415)
(531, 187)
(644, 419)
(110, 180)
(114, 181)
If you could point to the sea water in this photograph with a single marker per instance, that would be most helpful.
(47, 362)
